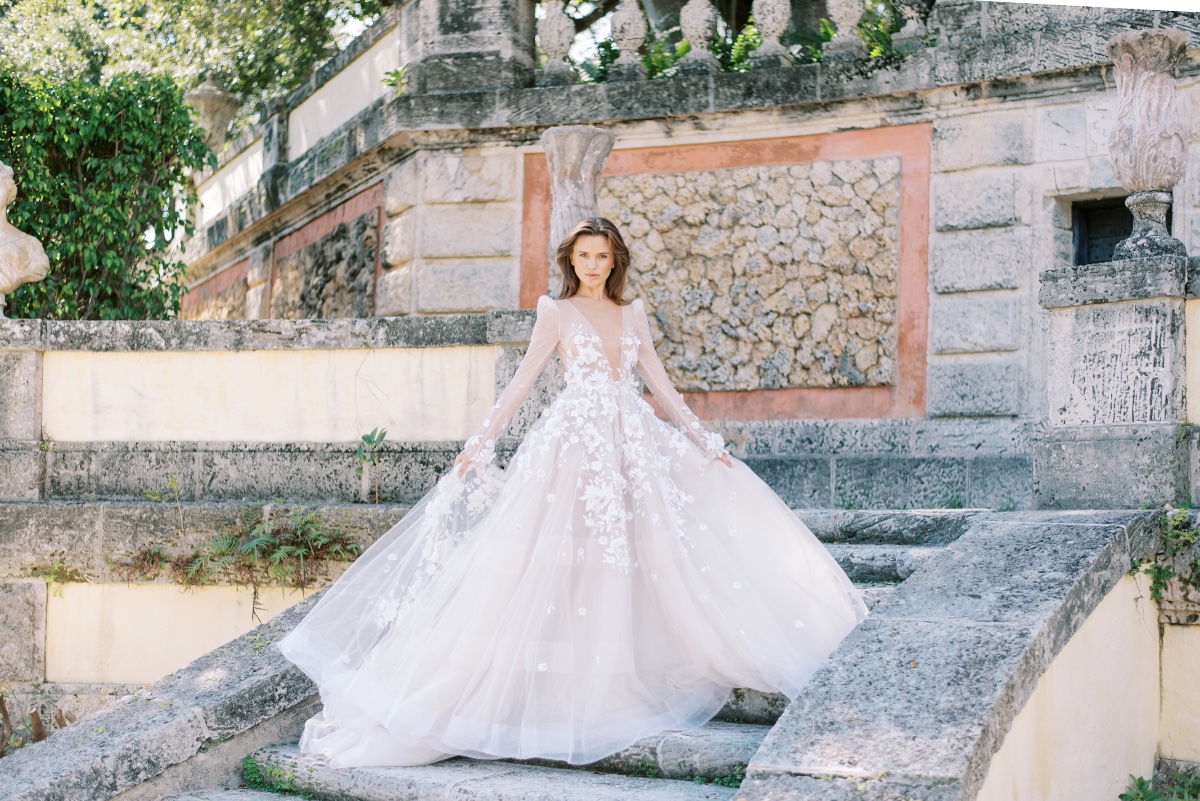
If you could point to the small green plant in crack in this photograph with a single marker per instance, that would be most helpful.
(735, 777)
(646, 769)
(1178, 787)
(368, 454)
(271, 780)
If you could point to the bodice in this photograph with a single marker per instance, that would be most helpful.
(585, 358)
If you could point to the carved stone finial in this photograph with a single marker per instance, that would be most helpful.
(629, 31)
(214, 109)
(698, 21)
(575, 155)
(22, 258)
(1148, 143)
(556, 32)
(845, 14)
(771, 18)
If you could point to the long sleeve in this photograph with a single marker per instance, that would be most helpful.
(655, 375)
(542, 342)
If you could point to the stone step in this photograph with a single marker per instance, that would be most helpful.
(866, 564)
(471, 780)
(38, 532)
(225, 795)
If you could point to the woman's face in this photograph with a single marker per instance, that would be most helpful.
(592, 259)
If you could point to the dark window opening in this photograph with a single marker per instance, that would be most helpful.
(1098, 226)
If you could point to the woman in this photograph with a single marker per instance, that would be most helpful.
(617, 580)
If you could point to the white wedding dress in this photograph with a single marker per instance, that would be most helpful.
(614, 582)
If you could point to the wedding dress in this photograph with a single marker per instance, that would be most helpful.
(614, 582)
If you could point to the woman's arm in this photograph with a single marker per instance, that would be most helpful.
(542, 342)
(655, 376)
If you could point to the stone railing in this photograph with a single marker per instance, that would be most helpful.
(344, 114)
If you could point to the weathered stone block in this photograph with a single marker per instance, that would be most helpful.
(467, 176)
(1100, 114)
(969, 389)
(802, 483)
(837, 437)
(1110, 467)
(399, 239)
(469, 230)
(899, 483)
(1000, 482)
(960, 437)
(963, 261)
(966, 324)
(977, 140)
(20, 471)
(975, 200)
(459, 286)
(256, 298)
(22, 630)
(20, 394)
(1061, 132)
(1119, 363)
(394, 295)
(1114, 281)
(400, 187)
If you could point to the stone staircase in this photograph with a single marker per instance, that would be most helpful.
(225, 721)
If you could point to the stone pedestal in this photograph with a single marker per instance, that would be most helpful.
(1116, 342)
(475, 45)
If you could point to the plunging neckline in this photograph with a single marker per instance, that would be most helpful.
(603, 350)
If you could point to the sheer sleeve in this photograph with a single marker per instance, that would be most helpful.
(655, 376)
(543, 341)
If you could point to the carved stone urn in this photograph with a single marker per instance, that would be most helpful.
(556, 32)
(575, 155)
(214, 109)
(1148, 143)
(22, 258)
(629, 29)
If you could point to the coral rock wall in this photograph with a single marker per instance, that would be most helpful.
(766, 277)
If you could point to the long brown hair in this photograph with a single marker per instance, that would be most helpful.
(614, 287)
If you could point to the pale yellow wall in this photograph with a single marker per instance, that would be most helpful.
(229, 183)
(1192, 340)
(1181, 693)
(138, 633)
(1093, 718)
(356, 86)
(267, 396)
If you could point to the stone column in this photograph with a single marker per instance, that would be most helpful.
(845, 45)
(1117, 433)
(772, 18)
(275, 155)
(20, 410)
(556, 31)
(698, 21)
(575, 155)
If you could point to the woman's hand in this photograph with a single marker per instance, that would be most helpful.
(461, 463)
(724, 459)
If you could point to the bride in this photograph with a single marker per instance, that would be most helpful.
(615, 581)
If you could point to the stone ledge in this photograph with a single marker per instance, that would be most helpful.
(978, 628)
(492, 328)
(1114, 281)
(213, 701)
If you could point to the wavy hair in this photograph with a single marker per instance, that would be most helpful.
(614, 287)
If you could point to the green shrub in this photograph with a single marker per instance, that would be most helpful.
(101, 175)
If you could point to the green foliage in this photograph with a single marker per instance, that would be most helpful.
(397, 79)
(879, 21)
(271, 780)
(733, 52)
(258, 48)
(733, 779)
(1176, 787)
(100, 168)
(368, 454)
(646, 769)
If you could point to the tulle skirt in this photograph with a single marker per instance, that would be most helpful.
(612, 583)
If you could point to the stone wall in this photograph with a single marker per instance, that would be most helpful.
(767, 277)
